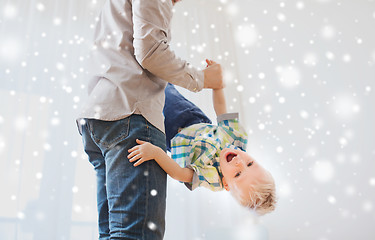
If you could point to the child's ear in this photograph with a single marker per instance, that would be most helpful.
(225, 184)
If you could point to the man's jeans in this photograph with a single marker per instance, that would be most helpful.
(131, 200)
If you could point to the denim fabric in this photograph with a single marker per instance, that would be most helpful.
(179, 113)
(131, 200)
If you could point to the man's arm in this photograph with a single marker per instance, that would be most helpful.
(146, 151)
(151, 36)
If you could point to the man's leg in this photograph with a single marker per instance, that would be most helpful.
(136, 195)
(97, 160)
(179, 113)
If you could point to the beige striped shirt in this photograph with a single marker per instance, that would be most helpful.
(131, 62)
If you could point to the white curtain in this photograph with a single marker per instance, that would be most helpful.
(47, 183)
(301, 74)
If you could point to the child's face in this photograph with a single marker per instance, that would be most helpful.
(241, 169)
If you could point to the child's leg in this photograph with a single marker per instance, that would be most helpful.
(179, 113)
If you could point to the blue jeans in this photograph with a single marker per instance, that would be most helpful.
(179, 113)
(131, 200)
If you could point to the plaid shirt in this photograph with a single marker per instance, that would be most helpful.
(198, 147)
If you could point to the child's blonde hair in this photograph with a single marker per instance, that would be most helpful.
(261, 198)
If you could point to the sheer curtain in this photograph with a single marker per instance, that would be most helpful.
(48, 186)
(301, 74)
(43, 48)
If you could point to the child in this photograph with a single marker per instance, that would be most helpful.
(209, 155)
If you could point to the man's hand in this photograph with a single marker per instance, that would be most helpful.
(218, 96)
(213, 77)
(143, 152)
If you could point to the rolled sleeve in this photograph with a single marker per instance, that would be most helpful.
(151, 23)
(227, 116)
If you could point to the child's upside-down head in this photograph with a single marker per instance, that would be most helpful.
(250, 184)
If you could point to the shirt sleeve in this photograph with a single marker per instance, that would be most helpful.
(205, 176)
(151, 26)
(205, 166)
(227, 116)
(235, 134)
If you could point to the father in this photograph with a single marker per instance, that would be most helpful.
(131, 65)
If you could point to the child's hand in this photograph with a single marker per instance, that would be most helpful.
(213, 77)
(143, 152)
(210, 62)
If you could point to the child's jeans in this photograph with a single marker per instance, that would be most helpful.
(131, 200)
(179, 113)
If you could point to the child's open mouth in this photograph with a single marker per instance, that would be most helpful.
(230, 156)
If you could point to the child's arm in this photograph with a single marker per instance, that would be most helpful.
(146, 151)
(218, 97)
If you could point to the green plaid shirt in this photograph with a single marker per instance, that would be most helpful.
(198, 147)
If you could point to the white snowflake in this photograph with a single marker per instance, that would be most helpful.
(40, 7)
(289, 76)
(372, 181)
(152, 226)
(10, 11)
(345, 106)
(2, 144)
(21, 215)
(74, 189)
(304, 114)
(330, 55)
(367, 206)
(328, 32)
(310, 59)
(331, 199)
(153, 192)
(55, 121)
(284, 190)
(346, 58)
(323, 171)
(10, 48)
(232, 9)
(350, 190)
(39, 175)
(300, 5)
(281, 17)
(21, 123)
(279, 149)
(246, 35)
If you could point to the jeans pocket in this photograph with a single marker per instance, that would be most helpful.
(108, 133)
